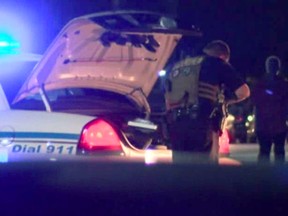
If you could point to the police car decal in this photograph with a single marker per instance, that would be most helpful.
(35, 142)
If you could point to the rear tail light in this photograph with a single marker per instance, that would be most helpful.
(99, 135)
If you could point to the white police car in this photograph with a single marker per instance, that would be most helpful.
(41, 135)
(89, 91)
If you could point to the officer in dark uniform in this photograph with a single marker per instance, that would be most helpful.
(192, 100)
(270, 97)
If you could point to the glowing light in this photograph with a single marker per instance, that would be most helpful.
(268, 91)
(150, 157)
(5, 142)
(250, 118)
(8, 45)
(4, 44)
(14, 30)
(162, 73)
(98, 135)
(3, 155)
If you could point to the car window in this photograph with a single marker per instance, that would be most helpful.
(78, 98)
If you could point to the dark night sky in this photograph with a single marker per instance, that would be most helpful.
(252, 28)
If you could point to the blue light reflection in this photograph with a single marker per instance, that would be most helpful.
(268, 91)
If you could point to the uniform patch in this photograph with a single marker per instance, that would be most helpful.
(183, 83)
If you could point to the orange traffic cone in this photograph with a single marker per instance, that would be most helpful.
(224, 147)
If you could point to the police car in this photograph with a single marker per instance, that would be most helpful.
(44, 135)
(88, 93)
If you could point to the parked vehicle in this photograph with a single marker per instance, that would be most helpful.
(88, 93)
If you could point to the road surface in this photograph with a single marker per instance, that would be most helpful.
(246, 153)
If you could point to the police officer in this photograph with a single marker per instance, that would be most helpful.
(192, 100)
(270, 97)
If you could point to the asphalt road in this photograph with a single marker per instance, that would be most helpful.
(246, 153)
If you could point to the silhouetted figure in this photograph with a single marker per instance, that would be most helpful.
(270, 97)
(193, 101)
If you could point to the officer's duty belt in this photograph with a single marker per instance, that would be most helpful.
(191, 112)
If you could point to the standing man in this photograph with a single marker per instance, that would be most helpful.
(270, 97)
(193, 94)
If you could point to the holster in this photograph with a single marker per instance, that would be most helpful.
(217, 118)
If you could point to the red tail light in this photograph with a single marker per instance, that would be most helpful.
(99, 135)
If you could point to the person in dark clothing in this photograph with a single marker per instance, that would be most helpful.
(270, 97)
(193, 90)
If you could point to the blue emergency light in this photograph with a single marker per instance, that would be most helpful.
(8, 45)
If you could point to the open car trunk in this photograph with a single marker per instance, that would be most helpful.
(106, 65)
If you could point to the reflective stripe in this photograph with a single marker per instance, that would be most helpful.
(37, 135)
(208, 91)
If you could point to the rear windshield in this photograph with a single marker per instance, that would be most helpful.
(77, 98)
